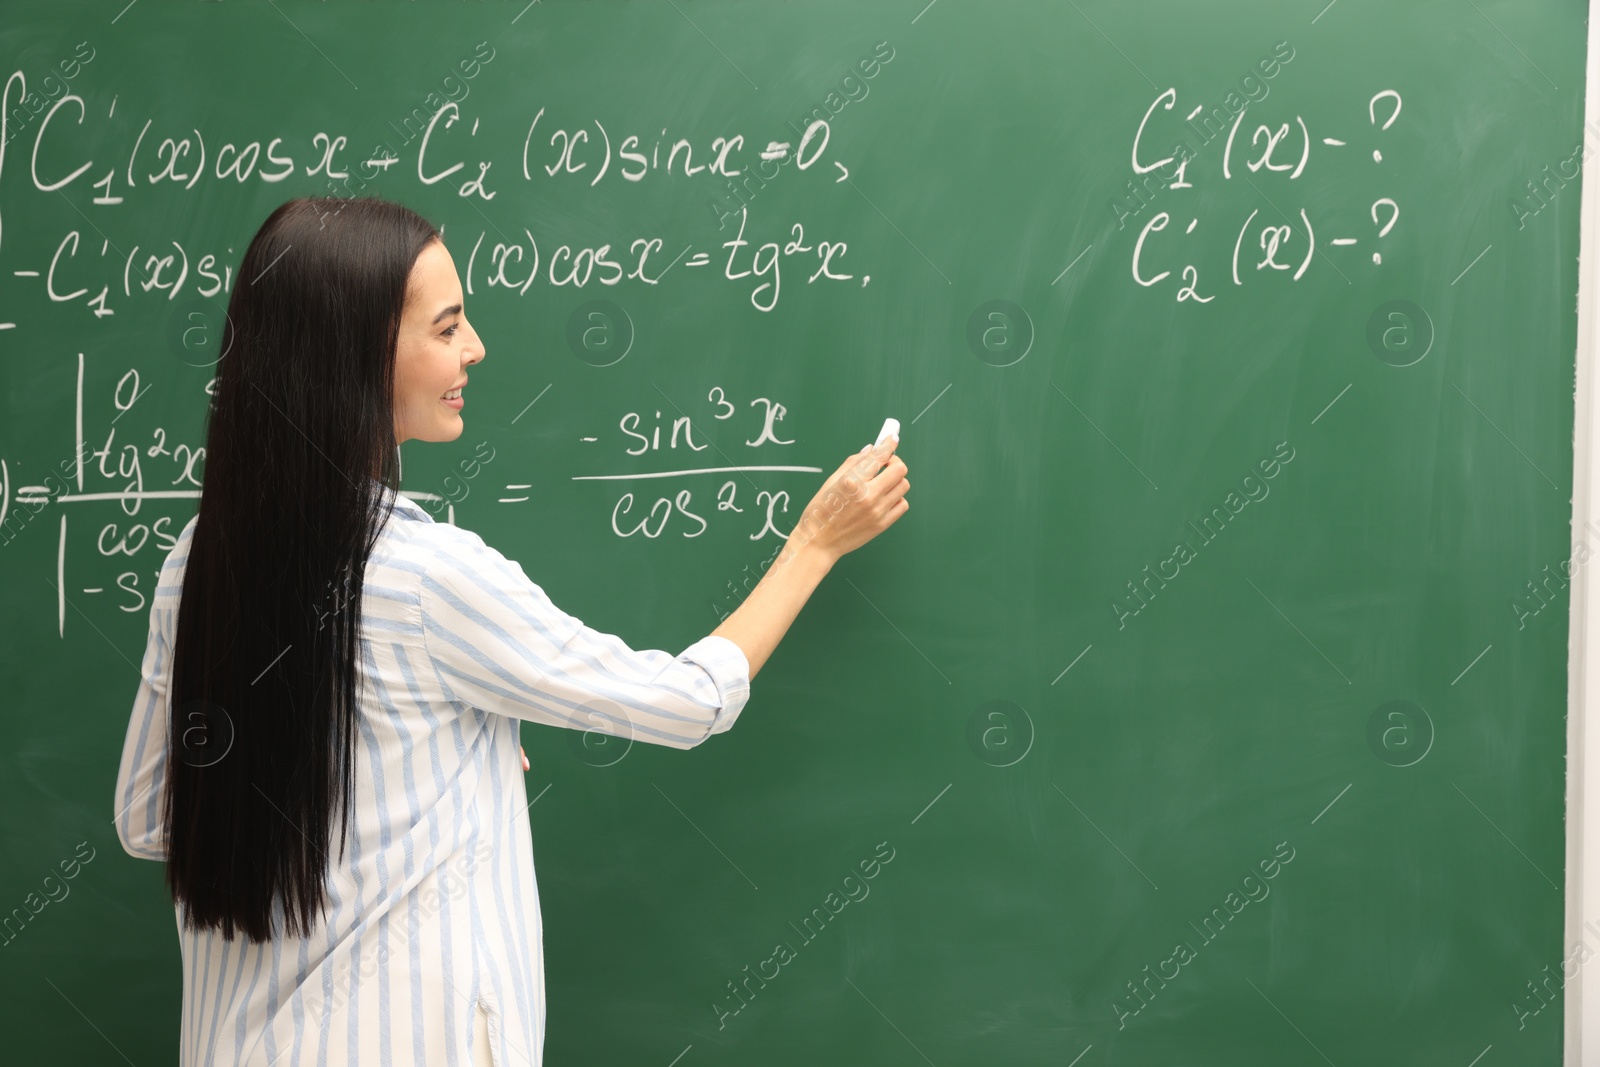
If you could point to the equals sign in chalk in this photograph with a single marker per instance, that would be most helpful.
(515, 499)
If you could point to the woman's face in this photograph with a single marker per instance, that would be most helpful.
(435, 347)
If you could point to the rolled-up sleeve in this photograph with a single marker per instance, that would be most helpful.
(499, 644)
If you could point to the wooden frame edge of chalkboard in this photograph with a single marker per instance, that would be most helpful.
(1581, 1000)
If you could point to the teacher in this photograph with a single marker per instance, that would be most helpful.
(324, 744)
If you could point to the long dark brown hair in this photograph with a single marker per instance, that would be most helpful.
(301, 463)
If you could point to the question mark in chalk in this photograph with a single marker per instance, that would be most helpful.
(1394, 215)
(1372, 115)
(1377, 157)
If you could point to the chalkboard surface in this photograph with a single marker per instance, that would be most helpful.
(1208, 706)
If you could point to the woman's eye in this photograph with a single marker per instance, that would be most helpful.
(451, 331)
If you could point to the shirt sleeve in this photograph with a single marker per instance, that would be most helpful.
(138, 800)
(498, 643)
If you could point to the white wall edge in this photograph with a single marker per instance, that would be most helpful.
(1582, 999)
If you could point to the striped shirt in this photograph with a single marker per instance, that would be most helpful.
(432, 928)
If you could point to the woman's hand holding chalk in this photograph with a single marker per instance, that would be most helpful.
(857, 502)
(891, 428)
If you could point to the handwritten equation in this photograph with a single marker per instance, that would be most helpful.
(114, 475)
(677, 508)
(180, 155)
(172, 269)
(1276, 246)
(127, 468)
(573, 152)
(173, 156)
(116, 471)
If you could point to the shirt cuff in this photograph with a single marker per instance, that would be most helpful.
(725, 662)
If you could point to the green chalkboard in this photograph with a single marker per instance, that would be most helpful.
(1207, 707)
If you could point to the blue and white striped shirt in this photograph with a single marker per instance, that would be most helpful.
(433, 914)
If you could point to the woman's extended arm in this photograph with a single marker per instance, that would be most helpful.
(758, 624)
(859, 501)
(497, 642)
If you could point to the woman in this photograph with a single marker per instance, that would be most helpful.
(324, 744)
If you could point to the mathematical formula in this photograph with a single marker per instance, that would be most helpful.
(642, 436)
(1284, 243)
(113, 463)
(181, 158)
(128, 468)
(513, 265)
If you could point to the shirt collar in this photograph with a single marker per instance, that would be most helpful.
(410, 507)
(404, 504)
